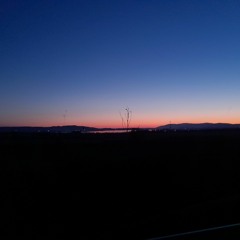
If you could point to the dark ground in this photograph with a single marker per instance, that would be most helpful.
(118, 186)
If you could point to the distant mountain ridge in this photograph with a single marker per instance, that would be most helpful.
(198, 126)
(56, 129)
(53, 129)
(75, 128)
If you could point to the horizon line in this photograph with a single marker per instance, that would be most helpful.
(74, 125)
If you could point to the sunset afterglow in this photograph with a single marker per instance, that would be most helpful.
(83, 62)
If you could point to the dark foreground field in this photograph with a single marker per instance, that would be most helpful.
(118, 186)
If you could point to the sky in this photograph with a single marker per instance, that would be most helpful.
(82, 62)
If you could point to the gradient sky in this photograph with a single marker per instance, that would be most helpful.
(83, 61)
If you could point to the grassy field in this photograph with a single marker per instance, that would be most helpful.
(118, 186)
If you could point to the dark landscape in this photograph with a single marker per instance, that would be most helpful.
(133, 185)
(120, 119)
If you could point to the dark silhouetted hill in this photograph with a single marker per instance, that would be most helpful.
(199, 126)
(53, 129)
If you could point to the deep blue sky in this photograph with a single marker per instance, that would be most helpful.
(83, 62)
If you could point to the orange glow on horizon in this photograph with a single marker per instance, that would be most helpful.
(136, 123)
